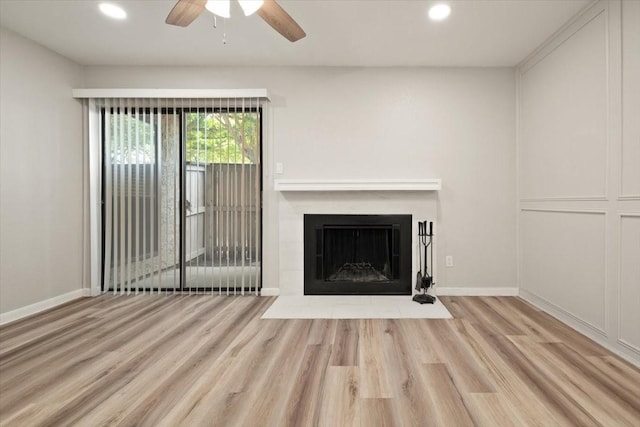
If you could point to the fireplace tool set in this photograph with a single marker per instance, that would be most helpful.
(424, 279)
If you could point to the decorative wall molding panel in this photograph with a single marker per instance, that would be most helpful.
(555, 139)
(629, 273)
(565, 255)
(561, 210)
(630, 150)
(566, 199)
(579, 231)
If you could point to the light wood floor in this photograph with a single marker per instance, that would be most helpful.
(200, 360)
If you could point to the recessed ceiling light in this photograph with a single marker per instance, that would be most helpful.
(439, 12)
(112, 11)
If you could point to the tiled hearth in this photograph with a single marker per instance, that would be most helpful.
(353, 307)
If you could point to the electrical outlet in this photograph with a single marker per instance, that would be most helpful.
(449, 260)
(279, 168)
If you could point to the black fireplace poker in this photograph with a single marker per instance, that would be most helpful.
(424, 279)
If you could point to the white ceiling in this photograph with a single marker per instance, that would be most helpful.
(339, 33)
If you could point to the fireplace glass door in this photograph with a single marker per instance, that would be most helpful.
(357, 254)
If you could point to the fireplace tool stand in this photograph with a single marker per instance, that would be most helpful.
(424, 279)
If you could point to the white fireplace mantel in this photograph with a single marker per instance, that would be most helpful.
(432, 184)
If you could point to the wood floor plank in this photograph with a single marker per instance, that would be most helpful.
(201, 360)
(448, 406)
(125, 365)
(374, 381)
(480, 310)
(378, 413)
(322, 332)
(576, 388)
(559, 330)
(509, 385)
(453, 305)
(563, 406)
(38, 344)
(469, 376)
(412, 396)
(305, 399)
(271, 407)
(260, 394)
(219, 339)
(42, 332)
(504, 306)
(46, 318)
(140, 405)
(415, 332)
(621, 372)
(82, 367)
(345, 347)
(341, 397)
(62, 344)
(492, 409)
(226, 382)
(620, 398)
(41, 328)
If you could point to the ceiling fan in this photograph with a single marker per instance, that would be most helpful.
(186, 11)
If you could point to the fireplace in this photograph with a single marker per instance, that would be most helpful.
(357, 254)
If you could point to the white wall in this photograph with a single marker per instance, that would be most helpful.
(579, 175)
(41, 175)
(454, 124)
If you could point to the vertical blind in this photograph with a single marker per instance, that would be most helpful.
(181, 195)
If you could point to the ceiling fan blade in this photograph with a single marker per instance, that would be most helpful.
(274, 15)
(185, 11)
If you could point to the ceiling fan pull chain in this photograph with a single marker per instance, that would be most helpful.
(224, 31)
(215, 21)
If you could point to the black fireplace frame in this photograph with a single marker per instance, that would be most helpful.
(315, 286)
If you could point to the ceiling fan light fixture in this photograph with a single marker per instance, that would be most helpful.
(439, 12)
(219, 7)
(184, 12)
(249, 7)
(112, 10)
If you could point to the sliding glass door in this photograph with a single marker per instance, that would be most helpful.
(222, 189)
(181, 196)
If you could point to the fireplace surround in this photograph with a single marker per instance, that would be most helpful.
(357, 254)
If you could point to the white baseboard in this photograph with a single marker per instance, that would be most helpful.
(92, 292)
(489, 292)
(438, 291)
(19, 313)
(625, 352)
(270, 292)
